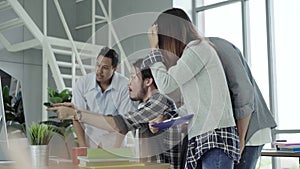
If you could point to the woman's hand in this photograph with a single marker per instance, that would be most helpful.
(152, 36)
(242, 146)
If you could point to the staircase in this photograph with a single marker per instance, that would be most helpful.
(59, 54)
(66, 58)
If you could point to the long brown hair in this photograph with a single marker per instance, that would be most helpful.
(175, 31)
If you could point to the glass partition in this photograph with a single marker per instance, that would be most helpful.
(12, 105)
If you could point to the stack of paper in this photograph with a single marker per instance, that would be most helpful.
(106, 163)
(108, 158)
(109, 153)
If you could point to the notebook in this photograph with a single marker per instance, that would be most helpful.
(173, 121)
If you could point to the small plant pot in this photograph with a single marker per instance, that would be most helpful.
(39, 155)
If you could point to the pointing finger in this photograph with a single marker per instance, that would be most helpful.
(52, 109)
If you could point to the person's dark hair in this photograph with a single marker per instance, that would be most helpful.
(175, 31)
(146, 72)
(110, 53)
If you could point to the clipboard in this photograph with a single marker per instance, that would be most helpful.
(173, 121)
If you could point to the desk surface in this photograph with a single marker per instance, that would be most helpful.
(53, 165)
(275, 153)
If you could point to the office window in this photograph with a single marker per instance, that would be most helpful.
(287, 37)
(286, 31)
(200, 3)
(185, 5)
(224, 22)
(259, 53)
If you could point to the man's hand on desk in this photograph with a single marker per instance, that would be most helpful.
(64, 110)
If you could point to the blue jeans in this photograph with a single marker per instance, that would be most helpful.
(215, 159)
(249, 157)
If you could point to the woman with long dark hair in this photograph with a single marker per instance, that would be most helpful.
(181, 58)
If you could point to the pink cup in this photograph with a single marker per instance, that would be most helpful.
(78, 151)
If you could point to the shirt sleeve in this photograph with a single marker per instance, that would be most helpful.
(190, 64)
(77, 95)
(174, 143)
(140, 118)
(153, 57)
(239, 83)
(153, 107)
(120, 122)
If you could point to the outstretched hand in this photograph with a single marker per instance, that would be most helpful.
(63, 110)
(66, 104)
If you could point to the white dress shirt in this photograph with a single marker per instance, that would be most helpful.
(88, 95)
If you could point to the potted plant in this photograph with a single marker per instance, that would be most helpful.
(39, 138)
(62, 127)
(58, 97)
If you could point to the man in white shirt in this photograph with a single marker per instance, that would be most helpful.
(104, 91)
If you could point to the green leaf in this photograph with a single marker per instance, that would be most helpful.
(56, 100)
(65, 95)
(52, 92)
(5, 94)
(40, 134)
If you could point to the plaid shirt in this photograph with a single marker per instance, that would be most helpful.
(168, 139)
(225, 139)
(153, 57)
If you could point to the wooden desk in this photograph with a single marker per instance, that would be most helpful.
(53, 165)
(275, 153)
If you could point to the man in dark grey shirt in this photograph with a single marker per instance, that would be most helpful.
(251, 113)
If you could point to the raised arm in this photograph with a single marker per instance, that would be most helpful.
(190, 64)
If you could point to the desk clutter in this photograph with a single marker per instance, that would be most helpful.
(287, 146)
(108, 158)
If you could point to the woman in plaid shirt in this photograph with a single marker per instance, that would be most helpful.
(213, 139)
